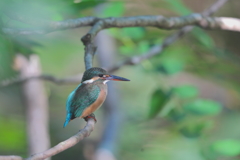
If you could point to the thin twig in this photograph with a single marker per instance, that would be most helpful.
(69, 80)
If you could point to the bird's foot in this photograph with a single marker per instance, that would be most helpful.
(89, 117)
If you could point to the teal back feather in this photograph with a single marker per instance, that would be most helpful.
(84, 97)
(79, 99)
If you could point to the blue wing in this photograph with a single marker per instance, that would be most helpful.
(68, 106)
(79, 99)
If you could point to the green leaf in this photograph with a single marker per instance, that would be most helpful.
(158, 100)
(114, 9)
(186, 91)
(134, 32)
(125, 50)
(203, 38)
(177, 114)
(172, 66)
(228, 147)
(193, 130)
(178, 6)
(203, 107)
(143, 46)
(85, 4)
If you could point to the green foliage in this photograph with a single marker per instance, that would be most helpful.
(158, 101)
(143, 46)
(193, 130)
(203, 107)
(133, 32)
(132, 40)
(128, 49)
(113, 9)
(203, 38)
(80, 5)
(172, 65)
(12, 135)
(186, 91)
(178, 6)
(229, 147)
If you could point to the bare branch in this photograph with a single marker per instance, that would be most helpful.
(51, 25)
(12, 157)
(69, 80)
(136, 21)
(90, 50)
(85, 132)
(213, 8)
(48, 26)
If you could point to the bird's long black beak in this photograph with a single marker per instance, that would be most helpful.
(116, 78)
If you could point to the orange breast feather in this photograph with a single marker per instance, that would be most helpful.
(95, 105)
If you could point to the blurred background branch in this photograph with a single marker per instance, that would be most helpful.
(37, 111)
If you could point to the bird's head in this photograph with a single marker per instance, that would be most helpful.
(95, 73)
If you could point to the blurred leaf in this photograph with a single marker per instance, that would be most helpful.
(143, 46)
(228, 147)
(6, 58)
(203, 38)
(203, 107)
(176, 114)
(126, 49)
(114, 9)
(186, 91)
(158, 100)
(193, 130)
(133, 32)
(114, 32)
(179, 7)
(172, 66)
(12, 135)
(85, 4)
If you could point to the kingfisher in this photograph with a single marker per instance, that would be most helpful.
(89, 94)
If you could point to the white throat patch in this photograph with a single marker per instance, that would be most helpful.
(88, 81)
(104, 82)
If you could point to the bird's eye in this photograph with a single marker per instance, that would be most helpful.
(100, 75)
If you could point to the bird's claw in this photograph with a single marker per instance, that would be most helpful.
(89, 117)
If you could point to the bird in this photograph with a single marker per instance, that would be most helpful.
(89, 95)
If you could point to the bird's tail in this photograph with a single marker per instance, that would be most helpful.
(68, 118)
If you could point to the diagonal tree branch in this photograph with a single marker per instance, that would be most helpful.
(85, 132)
(12, 157)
